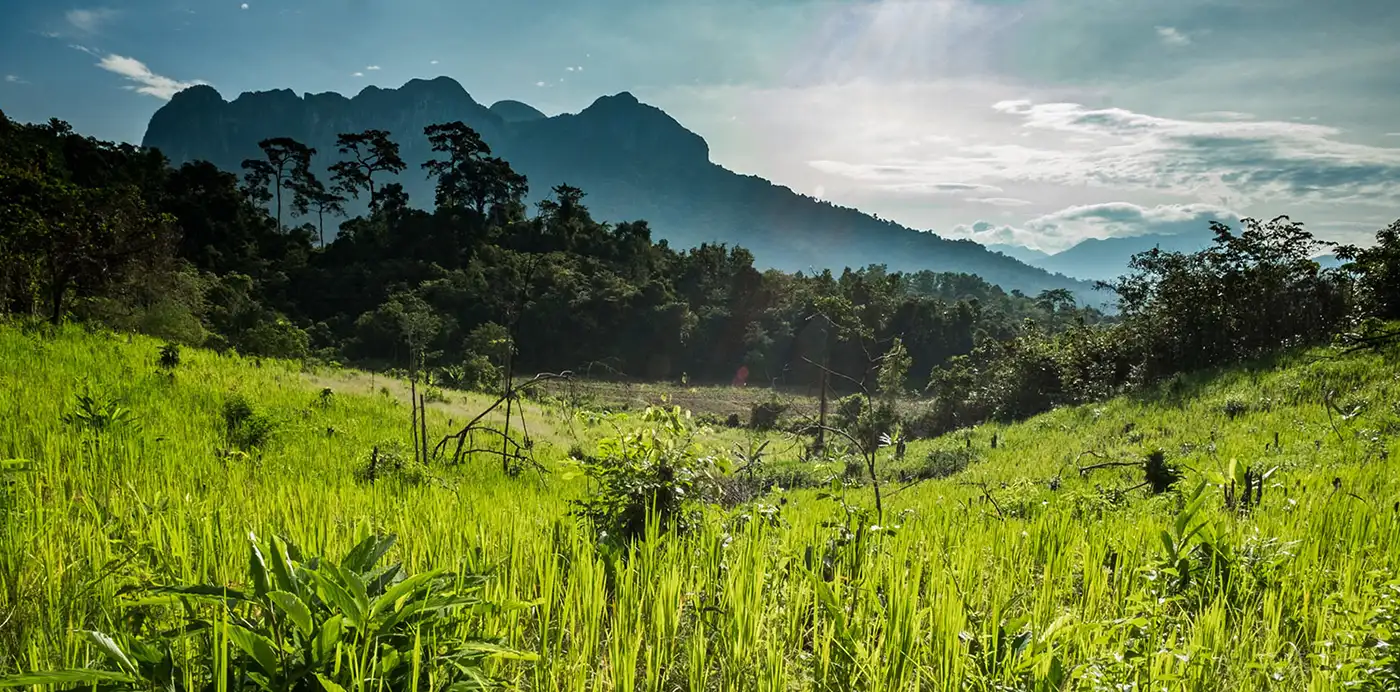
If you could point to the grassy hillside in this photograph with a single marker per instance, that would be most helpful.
(1016, 573)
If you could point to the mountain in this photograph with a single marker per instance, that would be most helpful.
(1105, 259)
(1030, 256)
(632, 160)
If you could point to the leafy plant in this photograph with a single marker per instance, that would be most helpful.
(99, 413)
(310, 625)
(765, 414)
(246, 427)
(1243, 485)
(656, 470)
(1191, 551)
(389, 460)
(169, 357)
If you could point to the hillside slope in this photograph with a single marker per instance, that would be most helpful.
(633, 160)
(1014, 572)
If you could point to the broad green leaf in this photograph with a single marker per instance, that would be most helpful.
(109, 647)
(257, 567)
(282, 570)
(201, 592)
(402, 590)
(367, 553)
(73, 676)
(295, 609)
(259, 647)
(355, 586)
(382, 578)
(328, 684)
(1169, 545)
(340, 600)
(1237, 471)
(327, 639)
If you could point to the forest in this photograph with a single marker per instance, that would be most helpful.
(203, 257)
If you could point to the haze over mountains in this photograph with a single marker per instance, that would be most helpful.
(1105, 259)
(633, 161)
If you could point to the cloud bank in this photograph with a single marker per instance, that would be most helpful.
(1065, 228)
(146, 81)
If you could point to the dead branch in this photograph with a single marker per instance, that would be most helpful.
(474, 425)
(1084, 470)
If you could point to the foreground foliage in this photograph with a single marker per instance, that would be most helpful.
(1267, 561)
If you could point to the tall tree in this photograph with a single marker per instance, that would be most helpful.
(470, 175)
(285, 163)
(309, 195)
(76, 241)
(369, 152)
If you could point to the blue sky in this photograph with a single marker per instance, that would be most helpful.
(1039, 122)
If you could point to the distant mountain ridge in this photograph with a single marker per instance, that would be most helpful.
(1106, 259)
(632, 160)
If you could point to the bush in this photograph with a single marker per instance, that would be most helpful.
(169, 357)
(245, 427)
(433, 395)
(655, 471)
(476, 373)
(765, 415)
(941, 463)
(391, 460)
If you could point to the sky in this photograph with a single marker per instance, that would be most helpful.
(1033, 122)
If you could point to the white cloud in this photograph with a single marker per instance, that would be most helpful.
(14, 79)
(539, 84)
(372, 68)
(432, 62)
(569, 69)
(1172, 37)
(244, 6)
(1000, 201)
(147, 82)
(1067, 227)
(1224, 115)
(357, 74)
(1235, 162)
(90, 21)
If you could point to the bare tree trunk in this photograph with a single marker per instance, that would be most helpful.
(56, 315)
(510, 400)
(423, 421)
(413, 403)
(279, 201)
(820, 446)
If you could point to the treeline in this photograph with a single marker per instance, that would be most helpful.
(109, 232)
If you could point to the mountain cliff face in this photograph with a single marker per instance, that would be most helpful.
(633, 160)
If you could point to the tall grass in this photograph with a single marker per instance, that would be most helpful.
(1015, 573)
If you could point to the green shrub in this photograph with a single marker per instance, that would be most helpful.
(764, 415)
(391, 460)
(656, 471)
(99, 413)
(169, 357)
(246, 427)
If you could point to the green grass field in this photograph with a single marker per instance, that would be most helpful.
(1016, 573)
